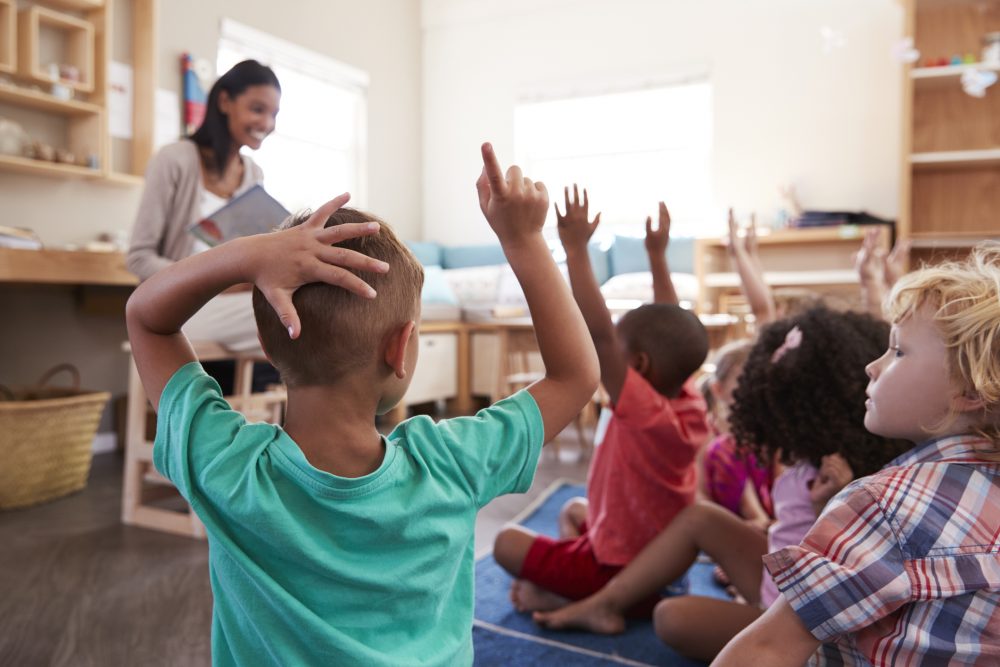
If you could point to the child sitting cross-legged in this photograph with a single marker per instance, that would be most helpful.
(798, 400)
(330, 544)
(903, 567)
(643, 472)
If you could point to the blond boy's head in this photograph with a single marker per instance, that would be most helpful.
(965, 300)
(342, 333)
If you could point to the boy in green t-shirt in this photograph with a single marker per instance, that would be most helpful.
(330, 544)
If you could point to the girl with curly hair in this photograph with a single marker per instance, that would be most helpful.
(799, 400)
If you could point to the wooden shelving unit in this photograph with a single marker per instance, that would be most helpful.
(950, 180)
(818, 259)
(78, 38)
(8, 36)
(80, 32)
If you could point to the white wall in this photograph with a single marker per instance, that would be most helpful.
(785, 110)
(42, 325)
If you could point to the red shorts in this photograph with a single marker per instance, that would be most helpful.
(570, 569)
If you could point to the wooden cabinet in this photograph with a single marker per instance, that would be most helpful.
(77, 34)
(950, 182)
(819, 260)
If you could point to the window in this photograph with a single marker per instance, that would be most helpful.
(631, 149)
(318, 147)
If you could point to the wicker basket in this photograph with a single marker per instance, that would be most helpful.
(46, 436)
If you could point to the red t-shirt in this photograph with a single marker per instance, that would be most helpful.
(643, 472)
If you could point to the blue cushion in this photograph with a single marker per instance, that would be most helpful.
(460, 257)
(427, 253)
(628, 255)
(436, 288)
(600, 260)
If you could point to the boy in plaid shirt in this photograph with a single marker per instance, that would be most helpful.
(903, 567)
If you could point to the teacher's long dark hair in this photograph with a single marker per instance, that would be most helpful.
(213, 133)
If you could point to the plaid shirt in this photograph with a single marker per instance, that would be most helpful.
(903, 567)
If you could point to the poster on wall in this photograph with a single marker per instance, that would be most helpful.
(119, 100)
(195, 72)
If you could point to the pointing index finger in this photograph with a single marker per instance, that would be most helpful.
(493, 172)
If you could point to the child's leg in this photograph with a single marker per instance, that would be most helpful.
(572, 517)
(733, 544)
(698, 627)
(509, 550)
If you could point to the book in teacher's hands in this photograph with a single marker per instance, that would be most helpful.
(252, 212)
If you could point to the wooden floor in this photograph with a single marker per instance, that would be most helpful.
(79, 588)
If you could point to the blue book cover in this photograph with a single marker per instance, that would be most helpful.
(252, 212)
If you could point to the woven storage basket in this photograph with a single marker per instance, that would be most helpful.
(46, 436)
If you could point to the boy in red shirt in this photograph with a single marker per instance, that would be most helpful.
(643, 472)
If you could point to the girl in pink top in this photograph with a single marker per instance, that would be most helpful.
(800, 399)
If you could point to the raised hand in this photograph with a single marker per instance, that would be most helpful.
(286, 260)
(894, 264)
(657, 240)
(575, 227)
(869, 261)
(733, 244)
(514, 205)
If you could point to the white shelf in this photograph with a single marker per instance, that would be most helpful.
(956, 159)
(946, 240)
(788, 278)
(930, 78)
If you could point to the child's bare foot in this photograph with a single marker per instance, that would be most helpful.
(588, 614)
(526, 596)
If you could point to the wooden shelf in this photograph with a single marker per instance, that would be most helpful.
(801, 235)
(126, 180)
(79, 36)
(956, 159)
(950, 239)
(789, 278)
(8, 36)
(64, 267)
(45, 102)
(82, 5)
(43, 168)
(930, 78)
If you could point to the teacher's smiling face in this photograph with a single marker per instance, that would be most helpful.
(251, 114)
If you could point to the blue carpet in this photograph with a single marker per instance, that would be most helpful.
(503, 636)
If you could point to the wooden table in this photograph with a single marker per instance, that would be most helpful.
(65, 267)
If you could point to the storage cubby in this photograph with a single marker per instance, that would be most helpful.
(46, 36)
(79, 33)
(8, 36)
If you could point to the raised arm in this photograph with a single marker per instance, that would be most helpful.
(161, 305)
(515, 207)
(870, 263)
(656, 247)
(747, 262)
(575, 231)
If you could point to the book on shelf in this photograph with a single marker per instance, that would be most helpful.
(19, 238)
(252, 212)
(834, 218)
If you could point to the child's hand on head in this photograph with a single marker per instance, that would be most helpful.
(575, 228)
(283, 261)
(514, 205)
(657, 240)
(834, 474)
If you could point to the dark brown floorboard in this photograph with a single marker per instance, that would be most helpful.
(79, 588)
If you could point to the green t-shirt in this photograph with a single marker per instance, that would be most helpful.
(309, 568)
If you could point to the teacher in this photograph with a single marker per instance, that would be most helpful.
(189, 180)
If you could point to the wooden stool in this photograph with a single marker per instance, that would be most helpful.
(142, 483)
